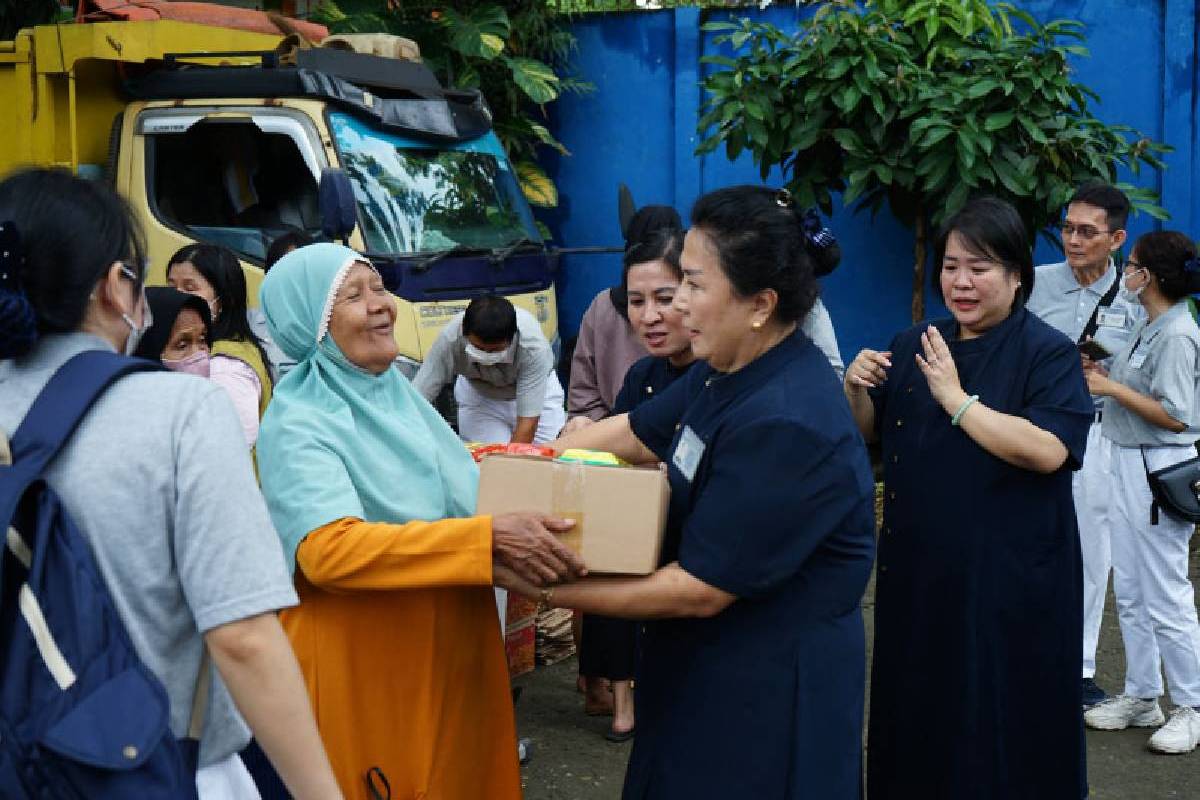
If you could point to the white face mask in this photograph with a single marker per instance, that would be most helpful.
(485, 359)
(135, 332)
(1133, 296)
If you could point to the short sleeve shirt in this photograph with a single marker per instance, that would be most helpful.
(157, 478)
(1060, 302)
(522, 379)
(1162, 361)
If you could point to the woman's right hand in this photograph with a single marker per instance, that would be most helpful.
(526, 542)
(867, 371)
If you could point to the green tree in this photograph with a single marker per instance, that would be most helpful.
(515, 52)
(916, 105)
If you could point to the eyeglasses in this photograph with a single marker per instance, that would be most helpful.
(1131, 267)
(1086, 232)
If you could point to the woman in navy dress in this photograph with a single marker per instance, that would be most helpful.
(752, 667)
(651, 276)
(975, 685)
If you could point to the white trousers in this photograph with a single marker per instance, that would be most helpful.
(226, 780)
(483, 419)
(1156, 603)
(1092, 487)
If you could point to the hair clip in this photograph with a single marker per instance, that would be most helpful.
(18, 321)
(1192, 265)
(783, 198)
(815, 231)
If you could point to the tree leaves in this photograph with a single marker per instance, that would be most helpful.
(480, 32)
(917, 104)
(536, 185)
(535, 78)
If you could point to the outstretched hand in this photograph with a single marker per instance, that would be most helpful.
(527, 543)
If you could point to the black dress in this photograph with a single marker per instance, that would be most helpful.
(975, 687)
(608, 646)
(771, 501)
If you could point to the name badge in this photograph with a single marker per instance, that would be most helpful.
(1111, 319)
(688, 453)
(1136, 360)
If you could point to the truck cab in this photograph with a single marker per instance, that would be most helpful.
(229, 138)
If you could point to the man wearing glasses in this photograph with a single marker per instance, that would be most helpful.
(1080, 297)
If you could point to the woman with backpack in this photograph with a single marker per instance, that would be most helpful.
(158, 482)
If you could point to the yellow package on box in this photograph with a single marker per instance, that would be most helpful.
(619, 511)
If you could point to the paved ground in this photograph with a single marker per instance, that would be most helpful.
(573, 762)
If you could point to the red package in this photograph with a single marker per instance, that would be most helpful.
(478, 451)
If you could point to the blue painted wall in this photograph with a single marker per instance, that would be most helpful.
(639, 127)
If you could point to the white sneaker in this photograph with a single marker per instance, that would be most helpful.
(1123, 711)
(1180, 735)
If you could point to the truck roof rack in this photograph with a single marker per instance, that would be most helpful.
(397, 95)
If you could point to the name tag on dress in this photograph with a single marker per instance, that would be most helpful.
(1111, 319)
(687, 453)
(1136, 360)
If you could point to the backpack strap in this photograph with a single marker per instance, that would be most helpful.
(63, 402)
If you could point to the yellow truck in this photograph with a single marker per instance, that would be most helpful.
(219, 135)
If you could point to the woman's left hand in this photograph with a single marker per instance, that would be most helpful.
(940, 371)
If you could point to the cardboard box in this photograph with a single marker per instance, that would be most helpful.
(619, 512)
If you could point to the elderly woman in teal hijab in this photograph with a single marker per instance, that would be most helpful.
(373, 497)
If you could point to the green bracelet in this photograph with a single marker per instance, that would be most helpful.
(958, 415)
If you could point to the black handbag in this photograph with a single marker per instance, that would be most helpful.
(1176, 489)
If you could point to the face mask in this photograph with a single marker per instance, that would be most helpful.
(136, 333)
(485, 359)
(1132, 296)
(195, 364)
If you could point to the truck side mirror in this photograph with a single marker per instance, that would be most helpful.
(335, 194)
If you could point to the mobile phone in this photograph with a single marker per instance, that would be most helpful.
(1094, 350)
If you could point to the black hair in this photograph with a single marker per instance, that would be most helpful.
(284, 243)
(655, 233)
(166, 304)
(990, 228)
(1169, 256)
(1108, 197)
(221, 268)
(491, 318)
(71, 231)
(761, 244)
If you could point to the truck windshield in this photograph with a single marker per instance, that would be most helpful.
(419, 197)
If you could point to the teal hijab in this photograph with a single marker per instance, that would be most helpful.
(337, 441)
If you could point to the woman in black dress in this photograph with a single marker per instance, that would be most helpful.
(975, 686)
(608, 649)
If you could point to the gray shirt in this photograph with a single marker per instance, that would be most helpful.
(818, 327)
(1162, 361)
(523, 378)
(1062, 303)
(158, 480)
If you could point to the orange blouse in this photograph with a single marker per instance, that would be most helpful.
(398, 638)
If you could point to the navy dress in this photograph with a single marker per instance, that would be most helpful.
(608, 646)
(771, 500)
(978, 624)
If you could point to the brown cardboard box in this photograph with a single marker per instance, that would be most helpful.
(620, 512)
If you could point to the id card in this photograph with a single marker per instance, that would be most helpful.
(688, 453)
(1111, 319)
(1136, 360)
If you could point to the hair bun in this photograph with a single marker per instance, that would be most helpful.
(820, 243)
(18, 320)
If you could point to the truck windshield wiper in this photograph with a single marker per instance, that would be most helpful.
(501, 254)
(422, 264)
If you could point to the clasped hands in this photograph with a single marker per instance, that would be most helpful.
(869, 370)
(526, 551)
